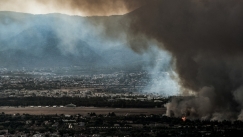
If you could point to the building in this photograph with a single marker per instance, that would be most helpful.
(70, 105)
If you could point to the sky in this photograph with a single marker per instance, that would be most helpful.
(69, 7)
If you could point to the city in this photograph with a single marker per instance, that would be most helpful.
(96, 125)
(91, 106)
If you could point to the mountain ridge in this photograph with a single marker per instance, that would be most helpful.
(52, 40)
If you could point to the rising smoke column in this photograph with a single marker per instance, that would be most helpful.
(205, 39)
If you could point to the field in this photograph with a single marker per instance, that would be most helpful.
(80, 110)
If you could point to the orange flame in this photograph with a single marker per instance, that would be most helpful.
(183, 119)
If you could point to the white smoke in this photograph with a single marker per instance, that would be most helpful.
(162, 77)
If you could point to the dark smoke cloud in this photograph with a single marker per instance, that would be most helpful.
(205, 38)
(193, 31)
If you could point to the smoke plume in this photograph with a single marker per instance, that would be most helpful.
(205, 39)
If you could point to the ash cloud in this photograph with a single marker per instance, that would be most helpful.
(205, 39)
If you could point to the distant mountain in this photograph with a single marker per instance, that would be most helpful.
(55, 40)
(37, 46)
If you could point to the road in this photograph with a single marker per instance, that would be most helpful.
(80, 110)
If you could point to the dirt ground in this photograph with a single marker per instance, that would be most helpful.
(80, 110)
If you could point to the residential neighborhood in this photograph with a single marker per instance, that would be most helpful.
(107, 125)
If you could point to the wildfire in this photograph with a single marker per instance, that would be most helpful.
(183, 119)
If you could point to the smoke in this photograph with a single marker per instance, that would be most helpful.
(160, 72)
(205, 39)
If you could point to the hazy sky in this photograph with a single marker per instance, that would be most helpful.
(70, 7)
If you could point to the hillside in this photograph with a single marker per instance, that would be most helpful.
(57, 40)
